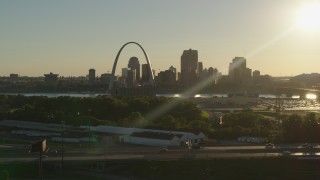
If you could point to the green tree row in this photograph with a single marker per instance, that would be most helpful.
(147, 112)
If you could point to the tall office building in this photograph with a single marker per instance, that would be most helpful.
(238, 70)
(189, 66)
(124, 72)
(145, 73)
(135, 65)
(92, 76)
(131, 78)
(199, 69)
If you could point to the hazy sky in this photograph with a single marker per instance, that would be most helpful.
(69, 37)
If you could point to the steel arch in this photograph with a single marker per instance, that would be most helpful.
(151, 79)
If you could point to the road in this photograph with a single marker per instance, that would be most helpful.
(14, 153)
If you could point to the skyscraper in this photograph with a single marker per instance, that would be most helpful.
(189, 65)
(135, 65)
(131, 78)
(238, 70)
(92, 76)
(199, 69)
(145, 73)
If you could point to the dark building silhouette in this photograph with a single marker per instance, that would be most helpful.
(135, 65)
(200, 68)
(145, 73)
(238, 71)
(174, 71)
(105, 78)
(189, 66)
(256, 74)
(124, 72)
(92, 76)
(51, 78)
(14, 77)
(166, 78)
(131, 78)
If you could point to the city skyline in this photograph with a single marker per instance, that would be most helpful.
(70, 37)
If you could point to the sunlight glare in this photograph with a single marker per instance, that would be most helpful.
(311, 96)
(309, 17)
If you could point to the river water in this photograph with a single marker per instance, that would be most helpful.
(106, 94)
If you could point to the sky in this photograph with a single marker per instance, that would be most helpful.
(70, 37)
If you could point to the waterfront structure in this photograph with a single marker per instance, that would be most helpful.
(189, 66)
(92, 76)
(135, 65)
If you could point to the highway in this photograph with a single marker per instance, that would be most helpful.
(19, 153)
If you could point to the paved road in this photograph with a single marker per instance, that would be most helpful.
(129, 153)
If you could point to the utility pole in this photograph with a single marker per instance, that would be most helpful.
(62, 142)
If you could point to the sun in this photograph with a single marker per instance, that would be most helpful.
(309, 16)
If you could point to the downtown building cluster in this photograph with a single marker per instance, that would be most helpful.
(138, 75)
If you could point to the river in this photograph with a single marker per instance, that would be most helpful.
(178, 95)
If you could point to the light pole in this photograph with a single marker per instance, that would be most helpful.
(220, 125)
(89, 125)
(62, 142)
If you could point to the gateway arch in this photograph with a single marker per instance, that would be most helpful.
(151, 78)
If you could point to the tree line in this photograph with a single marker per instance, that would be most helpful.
(158, 113)
(106, 110)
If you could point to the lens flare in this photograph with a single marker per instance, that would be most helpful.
(311, 96)
(309, 17)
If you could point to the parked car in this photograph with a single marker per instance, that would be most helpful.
(306, 145)
(269, 146)
(196, 146)
(163, 149)
(286, 153)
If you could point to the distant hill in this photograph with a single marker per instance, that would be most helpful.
(308, 77)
